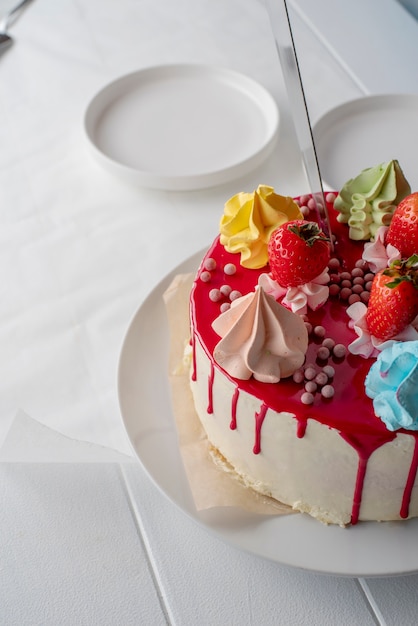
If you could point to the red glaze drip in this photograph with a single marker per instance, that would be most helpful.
(259, 419)
(350, 411)
(365, 444)
(358, 490)
(235, 396)
(211, 378)
(410, 481)
(301, 427)
(193, 343)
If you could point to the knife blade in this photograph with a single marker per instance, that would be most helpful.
(282, 32)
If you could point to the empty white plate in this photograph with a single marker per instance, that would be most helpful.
(366, 132)
(181, 126)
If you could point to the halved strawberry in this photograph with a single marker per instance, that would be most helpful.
(298, 252)
(393, 302)
(403, 229)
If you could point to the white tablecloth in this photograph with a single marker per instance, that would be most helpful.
(97, 543)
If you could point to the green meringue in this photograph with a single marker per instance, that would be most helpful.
(368, 201)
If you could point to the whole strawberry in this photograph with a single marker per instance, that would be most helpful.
(298, 252)
(393, 302)
(403, 229)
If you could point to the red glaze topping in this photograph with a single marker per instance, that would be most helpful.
(349, 411)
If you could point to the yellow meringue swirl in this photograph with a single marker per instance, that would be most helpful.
(250, 218)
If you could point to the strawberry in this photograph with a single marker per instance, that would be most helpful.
(298, 252)
(403, 229)
(393, 302)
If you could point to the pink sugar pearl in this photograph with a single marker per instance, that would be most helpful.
(230, 269)
(327, 391)
(210, 264)
(307, 398)
(205, 277)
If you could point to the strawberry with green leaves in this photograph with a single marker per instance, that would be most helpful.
(393, 302)
(298, 252)
(403, 229)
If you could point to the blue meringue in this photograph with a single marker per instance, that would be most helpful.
(392, 384)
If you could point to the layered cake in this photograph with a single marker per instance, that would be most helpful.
(304, 347)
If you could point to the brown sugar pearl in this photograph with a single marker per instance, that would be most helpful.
(321, 378)
(365, 296)
(323, 353)
(334, 290)
(357, 288)
(310, 373)
(329, 371)
(357, 272)
(327, 391)
(345, 276)
(354, 298)
(358, 280)
(335, 278)
(362, 264)
(311, 386)
(319, 331)
(339, 350)
(328, 343)
(307, 398)
(334, 264)
(345, 293)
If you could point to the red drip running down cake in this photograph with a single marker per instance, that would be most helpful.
(294, 390)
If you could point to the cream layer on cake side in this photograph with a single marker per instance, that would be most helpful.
(313, 470)
(328, 455)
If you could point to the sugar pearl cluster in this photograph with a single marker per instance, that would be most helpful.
(316, 377)
(351, 286)
(307, 203)
(315, 380)
(225, 294)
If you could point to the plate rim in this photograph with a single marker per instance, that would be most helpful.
(354, 106)
(165, 181)
(222, 528)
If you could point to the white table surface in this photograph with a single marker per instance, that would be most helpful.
(85, 542)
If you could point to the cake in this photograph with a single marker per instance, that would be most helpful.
(294, 392)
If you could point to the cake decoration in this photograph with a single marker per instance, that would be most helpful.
(378, 253)
(366, 344)
(403, 228)
(393, 303)
(312, 437)
(250, 218)
(368, 201)
(298, 253)
(392, 383)
(260, 338)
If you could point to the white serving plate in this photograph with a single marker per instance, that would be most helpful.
(365, 132)
(181, 127)
(367, 549)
